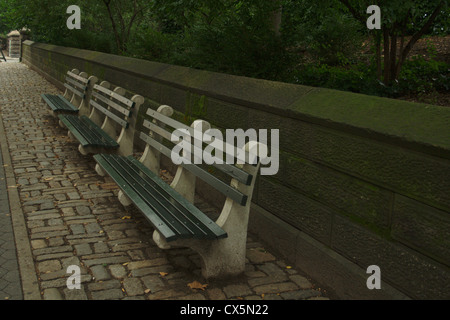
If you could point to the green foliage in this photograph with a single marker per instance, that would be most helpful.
(154, 45)
(227, 36)
(319, 42)
(335, 38)
(419, 77)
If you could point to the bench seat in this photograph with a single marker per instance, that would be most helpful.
(168, 211)
(87, 132)
(59, 103)
(76, 97)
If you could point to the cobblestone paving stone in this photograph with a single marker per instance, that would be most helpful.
(74, 218)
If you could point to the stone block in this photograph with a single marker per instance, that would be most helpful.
(403, 268)
(425, 228)
(303, 213)
(353, 196)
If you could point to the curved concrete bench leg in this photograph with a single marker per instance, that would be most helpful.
(100, 170)
(82, 150)
(124, 200)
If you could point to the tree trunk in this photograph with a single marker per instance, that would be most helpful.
(387, 60)
(377, 41)
(405, 52)
(393, 63)
(392, 67)
(276, 20)
(113, 24)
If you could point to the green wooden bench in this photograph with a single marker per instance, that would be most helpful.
(77, 94)
(111, 122)
(170, 208)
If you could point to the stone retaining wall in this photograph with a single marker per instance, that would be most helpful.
(363, 180)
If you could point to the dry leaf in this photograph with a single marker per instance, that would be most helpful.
(147, 291)
(163, 274)
(197, 285)
(288, 267)
(126, 218)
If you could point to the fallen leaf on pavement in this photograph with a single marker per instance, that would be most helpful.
(197, 285)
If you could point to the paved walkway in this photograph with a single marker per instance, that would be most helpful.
(10, 285)
(64, 214)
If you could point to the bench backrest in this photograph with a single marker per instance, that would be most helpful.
(115, 113)
(78, 87)
(77, 83)
(159, 142)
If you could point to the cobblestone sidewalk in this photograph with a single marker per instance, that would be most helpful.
(10, 285)
(73, 217)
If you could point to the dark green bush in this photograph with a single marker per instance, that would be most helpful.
(418, 76)
(422, 76)
(151, 44)
(336, 40)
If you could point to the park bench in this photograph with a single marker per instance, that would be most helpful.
(76, 95)
(3, 56)
(111, 123)
(170, 209)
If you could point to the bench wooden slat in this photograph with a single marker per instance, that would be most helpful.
(73, 128)
(76, 84)
(228, 169)
(148, 212)
(102, 139)
(77, 77)
(221, 186)
(87, 132)
(58, 103)
(74, 91)
(178, 125)
(114, 95)
(83, 133)
(109, 114)
(111, 103)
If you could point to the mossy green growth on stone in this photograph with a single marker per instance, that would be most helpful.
(409, 121)
(196, 108)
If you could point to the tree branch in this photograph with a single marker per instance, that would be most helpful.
(354, 12)
(422, 31)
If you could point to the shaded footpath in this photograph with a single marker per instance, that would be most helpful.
(64, 214)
